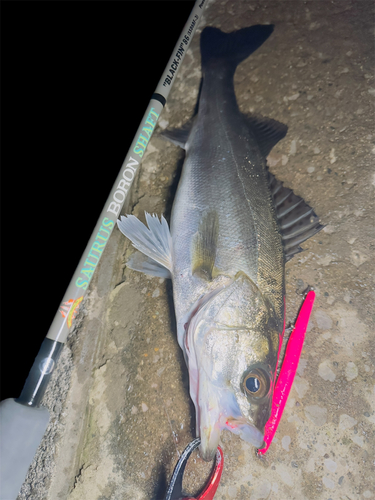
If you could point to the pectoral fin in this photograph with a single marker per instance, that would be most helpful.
(204, 246)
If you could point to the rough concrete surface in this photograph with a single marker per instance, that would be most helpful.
(130, 388)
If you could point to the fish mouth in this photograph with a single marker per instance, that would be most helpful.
(210, 432)
(217, 410)
(210, 435)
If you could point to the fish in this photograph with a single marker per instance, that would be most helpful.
(233, 227)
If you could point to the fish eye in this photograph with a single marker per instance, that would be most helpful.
(255, 384)
(252, 384)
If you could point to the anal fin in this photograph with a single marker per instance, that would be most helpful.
(179, 136)
(297, 220)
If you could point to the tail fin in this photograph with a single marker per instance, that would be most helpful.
(232, 47)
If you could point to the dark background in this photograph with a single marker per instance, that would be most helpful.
(76, 78)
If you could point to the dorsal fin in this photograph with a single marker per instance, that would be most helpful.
(267, 132)
(204, 246)
(297, 220)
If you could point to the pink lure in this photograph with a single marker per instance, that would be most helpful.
(288, 371)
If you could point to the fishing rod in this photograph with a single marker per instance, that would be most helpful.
(23, 420)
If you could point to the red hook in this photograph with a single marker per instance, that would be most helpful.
(175, 487)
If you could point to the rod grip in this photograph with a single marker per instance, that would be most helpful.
(40, 373)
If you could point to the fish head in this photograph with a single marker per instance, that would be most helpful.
(232, 345)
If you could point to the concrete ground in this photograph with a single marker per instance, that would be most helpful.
(127, 414)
